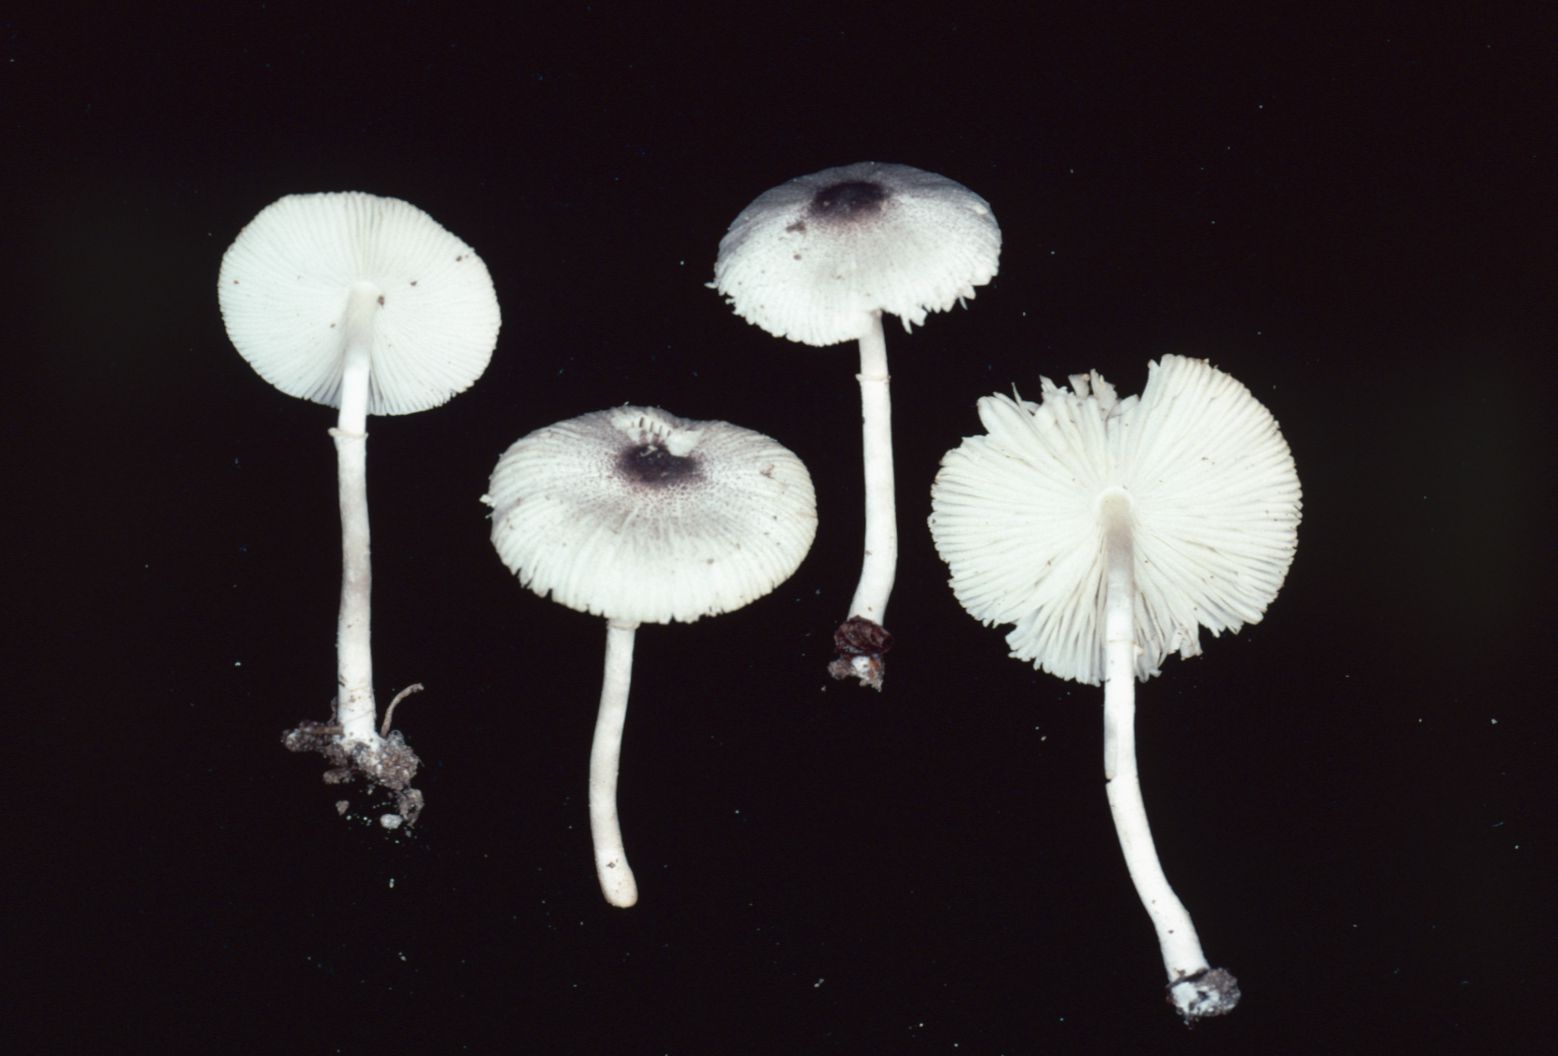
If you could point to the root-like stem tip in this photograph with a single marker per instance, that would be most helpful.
(861, 644)
(1213, 992)
(387, 763)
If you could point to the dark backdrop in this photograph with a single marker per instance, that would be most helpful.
(1351, 215)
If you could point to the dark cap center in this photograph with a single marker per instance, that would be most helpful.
(848, 200)
(651, 464)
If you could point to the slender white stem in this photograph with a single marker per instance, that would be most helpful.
(876, 426)
(355, 707)
(611, 860)
(1189, 986)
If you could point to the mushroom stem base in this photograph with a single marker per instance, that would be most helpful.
(387, 763)
(1214, 992)
(860, 644)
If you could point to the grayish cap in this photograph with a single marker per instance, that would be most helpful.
(811, 259)
(1214, 496)
(286, 280)
(643, 517)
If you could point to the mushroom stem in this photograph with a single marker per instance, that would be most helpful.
(355, 707)
(1195, 988)
(861, 639)
(611, 861)
(876, 426)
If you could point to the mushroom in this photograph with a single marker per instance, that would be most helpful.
(818, 260)
(642, 517)
(1109, 532)
(365, 304)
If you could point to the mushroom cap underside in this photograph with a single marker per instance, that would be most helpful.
(1214, 504)
(289, 277)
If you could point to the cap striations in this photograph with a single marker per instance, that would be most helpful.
(643, 517)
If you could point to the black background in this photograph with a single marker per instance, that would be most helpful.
(1352, 215)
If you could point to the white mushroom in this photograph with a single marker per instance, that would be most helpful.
(1109, 532)
(366, 304)
(642, 517)
(818, 260)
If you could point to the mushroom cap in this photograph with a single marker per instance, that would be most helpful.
(286, 280)
(1214, 497)
(643, 517)
(812, 259)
